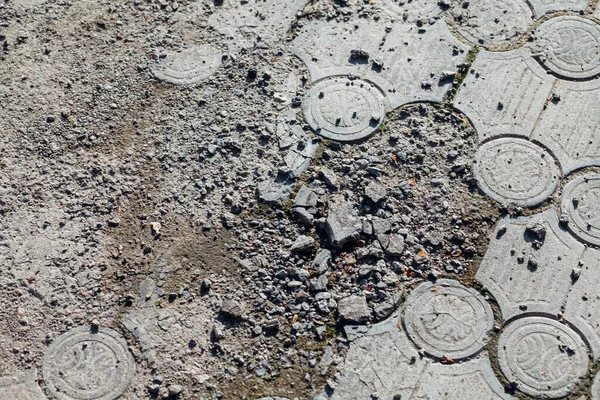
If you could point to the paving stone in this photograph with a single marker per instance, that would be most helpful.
(405, 73)
(189, 66)
(545, 358)
(342, 225)
(354, 309)
(570, 125)
(541, 7)
(492, 22)
(581, 203)
(344, 109)
(447, 319)
(515, 171)
(22, 386)
(504, 93)
(508, 273)
(569, 46)
(597, 12)
(583, 303)
(82, 364)
(383, 362)
(471, 380)
(413, 10)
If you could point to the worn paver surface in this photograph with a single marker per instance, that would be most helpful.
(276, 200)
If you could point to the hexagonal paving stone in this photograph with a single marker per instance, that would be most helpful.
(545, 358)
(570, 124)
(504, 93)
(447, 319)
(517, 263)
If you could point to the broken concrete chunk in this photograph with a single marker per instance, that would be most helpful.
(393, 244)
(321, 262)
(306, 198)
(329, 177)
(273, 193)
(342, 225)
(302, 243)
(354, 309)
(375, 192)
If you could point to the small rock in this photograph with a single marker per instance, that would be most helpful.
(232, 308)
(302, 243)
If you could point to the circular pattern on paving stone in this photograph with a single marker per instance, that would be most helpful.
(515, 171)
(83, 365)
(545, 358)
(344, 109)
(569, 46)
(492, 22)
(189, 66)
(581, 202)
(447, 319)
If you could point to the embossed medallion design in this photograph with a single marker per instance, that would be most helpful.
(83, 365)
(515, 171)
(344, 109)
(581, 202)
(447, 319)
(569, 46)
(189, 66)
(545, 358)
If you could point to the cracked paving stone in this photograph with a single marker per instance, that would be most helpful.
(515, 171)
(516, 263)
(354, 309)
(446, 319)
(545, 358)
(21, 386)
